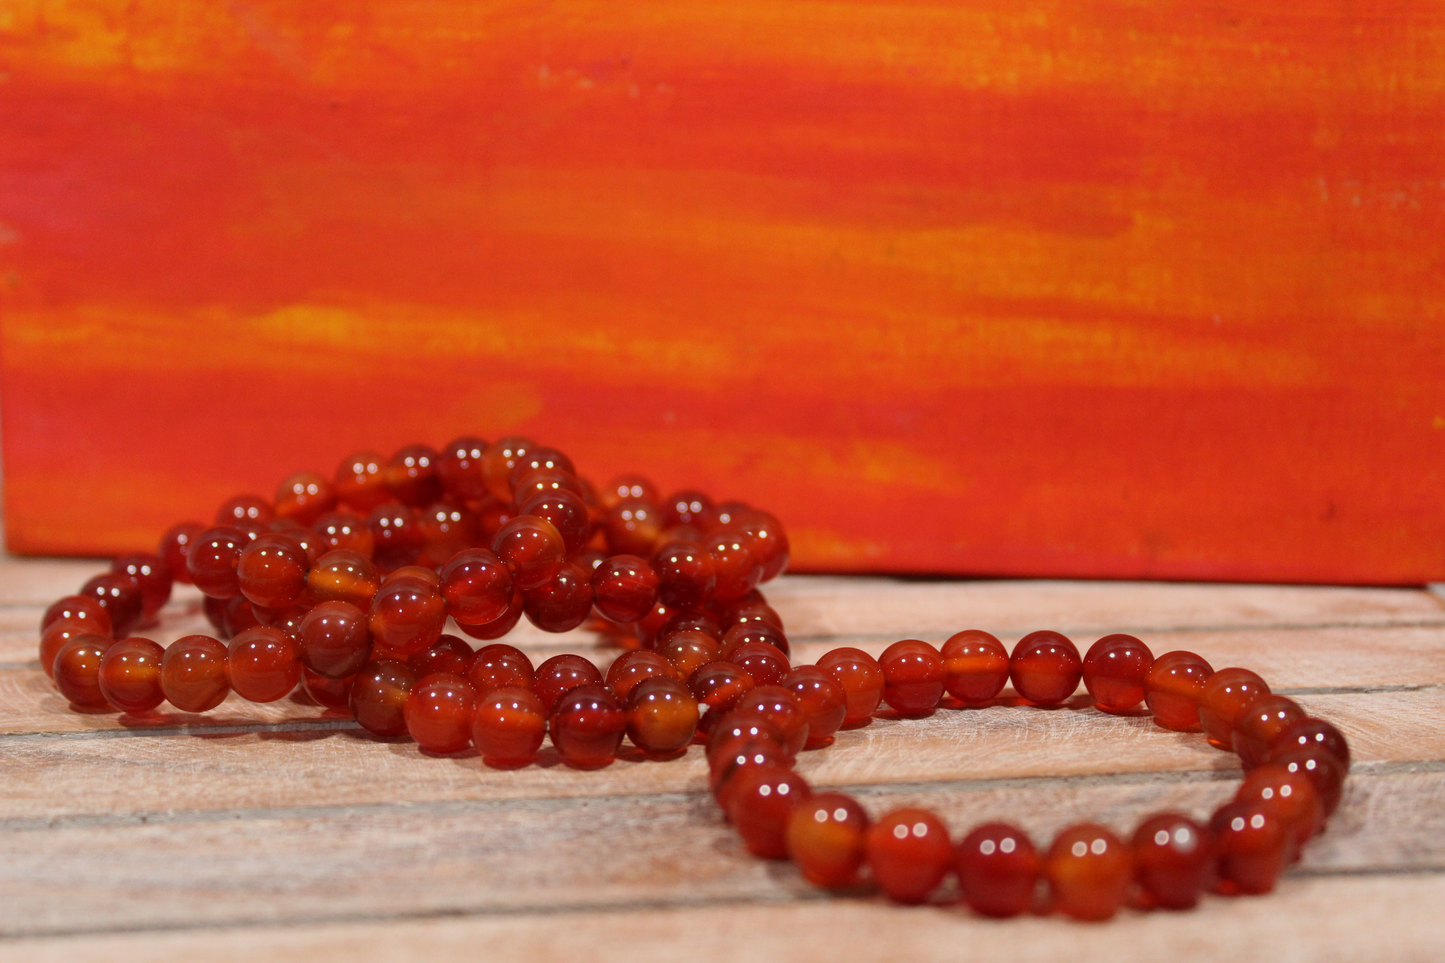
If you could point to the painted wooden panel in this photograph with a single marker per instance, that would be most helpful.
(1096, 288)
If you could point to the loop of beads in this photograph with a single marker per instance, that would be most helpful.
(344, 586)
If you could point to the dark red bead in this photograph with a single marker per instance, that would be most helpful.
(719, 685)
(625, 487)
(397, 532)
(193, 673)
(1252, 847)
(586, 725)
(1223, 700)
(662, 715)
(449, 655)
(329, 693)
(824, 838)
(360, 481)
(344, 530)
(684, 508)
(378, 696)
(909, 852)
(769, 542)
(1045, 668)
(176, 545)
(499, 666)
(152, 576)
(560, 674)
(1258, 726)
(745, 633)
(212, 558)
(561, 604)
(1322, 769)
(508, 726)
(823, 701)
(764, 663)
(411, 475)
(498, 461)
(977, 667)
(625, 587)
(85, 611)
(567, 513)
(1174, 857)
(531, 548)
(862, 680)
(632, 668)
(263, 664)
(272, 571)
(120, 597)
(737, 567)
(460, 468)
(407, 616)
(780, 707)
(913, 677)
(446, 529)
(1172, 689)
(477, 586)
(499, 626)
(439, 713)
(1115, 670)
(244, 510)
(761, 800)
(998, 869)
(688, 650)
(1287, 793)
(1311, 733)
(130, 675)
(77, 671)
(304, 497)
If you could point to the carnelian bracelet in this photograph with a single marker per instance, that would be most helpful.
(345, 587)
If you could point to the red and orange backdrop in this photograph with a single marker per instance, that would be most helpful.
(1086, 288)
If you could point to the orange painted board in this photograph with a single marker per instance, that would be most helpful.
(1087, 289)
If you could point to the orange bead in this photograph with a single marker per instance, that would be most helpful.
(761, 800)
(498, 461)
(586, 726)
(439, 713)
(719, 686)
(913, 674)
(568, 514)
(1289, 795)
(632, 527)
(331, 693)
(909, 852)
(1174, 857)
(562, 603)
(77, 671)
(311, 543)
(449, 655)
(1310, 733)
(212, 559)
(763, 662)
(343, 530)
(193, 673)
(686, 575)
(1252, 846)
(1223, 700)
(559, 675)
(81, 610)
(1045, 668)
(151, 575)
(263, 665)
(407, 616)
(626, 588)
(824, 837)
(1320, 767)
(687, 650)
(508, 727)
(768, 542)
(744, 633)
(823, 701)
(976, 664)
(1089, 871)
(538, 459)
(304, 497)
(499, 626)
(531, 548)
(499, 666)
(1260, 724)
(271, 571)
(631, 668)
(662, 715)
(1172, 689)
(335, 640)
(460, 468)
(684, 507)
(748, 610)
(342, 575)
(57, 634)
(530, 481)
(1115, 670)
(130, 675)
(737, 752)
(176, 545)
(862, 680)
(378, 696)
(780, 707)
(736, 565)
(629, 486)
(477, 586)
(120, 597)
(998, 869)
(411, 475)
(360, 481)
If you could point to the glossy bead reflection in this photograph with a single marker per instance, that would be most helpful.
(531, 548)
(344, 530)
(780, 707)
(243, 510)
(914, 673)
(477, 586)
(439, 713)
(1311, 733)
(335, 639)
(562, 603)
(130, 675)
(77, 671)
(1223, 700)
(448, 655)
(498, 461)
(736, 566)
(83, 611)
(304, 497)
(824, 837)
(175, 545)
(508, 726)
(998, 868)
(263, 664)
(1172, 689)
(360, 481)
(626, 588)
(499, 666)
(271, 571)
(631, 668)
(397, 532)
(567, 513)
(120, 597)
(1174, 858)
(334, 694)
(560, 674)
(460, 468)
(499, 626)
(1115, 671)
(823, 701)
(662, 715)
(719, 686)
(764, 663)
(976, 667)
(343, 576)
(212, 558)
(152, 576)
(862, 680)
(687, 650)
(909, 853)
(1089, 870)
(760, 803)
(686, 574)
(412, 477)
(1252, 847)
(378, 696)
(1045, 668)
(1260, 724)
(1289, 795)
(193, 673)
(586, 726)
(407, 616)
(1321, 768)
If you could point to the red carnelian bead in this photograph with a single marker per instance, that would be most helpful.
(559, 675)
(411, 475)
(193, 673)
(626, 588)
(460, 468)
(977, 667)
(54, 638)
(335, 639)
(343, 530)
(744, 633)
(151, 575)
(499, 626)
(761, 800)
(272, 571)
(120, 597)
(330, 693)
(498, 666)
(80, 610)
(913, 676)
(1308, 733)
(1321, 768)
(631, 668)
(498, 461)
(398, 536)
(378, 696)
(1045, 668)
(508, 726)
(532, 550)
(529, 482)
(448, 655)
(360, 481)
(738, 753)
(625, 487)
(176, 545)
(263, 665)
(343, 576)
(245, 509)
(748, 610)
(1289, 795)
(688, 650)
(824, 837)
(1089, 871)
(212, 560)
(1265, 719)
(692, 619)
(407, 616)
(311, 543)
(586, 726)
(130, 675)
(304, 497)
(1172, 689)
(77, 671)
(719, 686)
(439, 713)
(1252, 846)
(1173, 859)
(238, 616)
(662, 715)
(540, 458)
(1115, 669)
(567, 513)
(288, 620)
(862, 680)
(998, 868)
(686, 574)
(477, 586)
(909, 852)
(737, 728)
(561, 604)
(769, 542)
(721, 516)
(764, 663)
(684, 508)
(822, 699)
(632, 527)
(780, 707)
(1223, 700)
(737, 567)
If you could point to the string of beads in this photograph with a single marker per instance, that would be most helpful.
(344, 586)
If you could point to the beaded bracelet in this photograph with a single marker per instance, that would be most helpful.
(345, 586)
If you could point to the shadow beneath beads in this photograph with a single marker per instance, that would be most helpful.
(630, 753)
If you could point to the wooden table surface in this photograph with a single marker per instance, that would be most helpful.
(281, 832)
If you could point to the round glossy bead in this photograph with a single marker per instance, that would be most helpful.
(1260, 724)
(1223, 700)
(335, 640)
(343, 576)
(780, 707)
(57, 634)
(398, 535)
(719, 686)
(631, 668)
(508, 727)
(862, 680)
(411, 475)
(626, 588)
(562, 603)
(977, 667)
(498, 461)
(477, 586)
(531, 548)
(764, 663)
(624, 487)
(1172, 689)
(686, 574)
(212, 561)
(272, 571)
(1252, 847)
(1289, 795)
(997, 868)
(449, 655)
(79, 610)
(379, 694)
(586, 726)
(529, 482)
(662, 715)
(823, 701)
(460, 468)
(825, 839)
(120, 597)
(77, 671)
(734, 754)
(739, 727)
(176, 545)
(193, 673)
(152, 576)
(748, 610)
(360, 482)
(1115, 670)
(684, 508)
(130, 675)
(540, 458)
(330, 693)
(1173, 860)
(407, 616)
(913, 677)
(1311, 733)
(909, 852)
(304, 497)
(499, 626)
(737, 567)
(1089, 871)
(560, 674)
(439, 713)
(768, 542)
(343, 530)
(721, 516)
(632, 527)
(499, 666)
(687, 650)
(567, 513)
(245, 510)
(744, 633)
(263, 664)
(1045, 668)
(761, 800)
(1321, 768)
(311, 543)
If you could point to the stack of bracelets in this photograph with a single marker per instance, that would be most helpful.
(345, 585)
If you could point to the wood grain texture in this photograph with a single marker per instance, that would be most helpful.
(279, 832)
